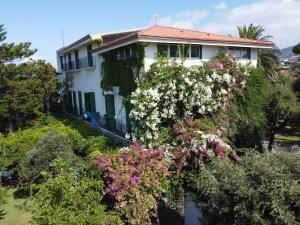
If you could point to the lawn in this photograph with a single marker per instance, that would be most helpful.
(14, 210)
(289, 136)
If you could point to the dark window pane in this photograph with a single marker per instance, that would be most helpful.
(173, 51)
(133, 52)
(237, 53)
(121, 54)
(231, 51)
(186, 52)
(195, 51)
(246, 53)
(127, 53)
(162, 50)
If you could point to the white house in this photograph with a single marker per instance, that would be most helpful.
(83, 60)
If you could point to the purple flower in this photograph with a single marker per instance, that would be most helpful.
(134, 179)
(217, 66)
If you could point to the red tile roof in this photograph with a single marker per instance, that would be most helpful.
(178, 34)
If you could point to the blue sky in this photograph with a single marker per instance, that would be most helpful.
(40, 22)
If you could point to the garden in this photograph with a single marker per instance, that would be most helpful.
(197, 130)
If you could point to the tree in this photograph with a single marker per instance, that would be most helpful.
(281, 107)
(268, 59)
(296, 49)
(25, 88)
(253, 32)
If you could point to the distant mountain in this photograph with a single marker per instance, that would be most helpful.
(286, 52)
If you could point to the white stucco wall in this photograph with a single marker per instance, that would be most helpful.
(208, 52)
(89, 79)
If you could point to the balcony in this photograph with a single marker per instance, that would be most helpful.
(86, 62)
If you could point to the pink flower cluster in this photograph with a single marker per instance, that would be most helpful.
(133, 172)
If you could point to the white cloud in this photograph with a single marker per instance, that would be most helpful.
(186, 19)
(221, 6)
(280, 18)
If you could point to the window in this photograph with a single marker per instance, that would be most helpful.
(196, 51)
(246, 53)
(127, 53)
(61, 62)
(186, 51)
(121, 55)
(173, 51)
(162, 50)
(240, 53)
(132, 52)
(76, 59)
(69, 61)
(89, 55)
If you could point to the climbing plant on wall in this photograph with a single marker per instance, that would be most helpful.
(121, 67)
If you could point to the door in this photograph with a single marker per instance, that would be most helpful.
(90, 103)
(75, 110)
(110, 112)
(80, 102)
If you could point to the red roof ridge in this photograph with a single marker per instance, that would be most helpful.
(207, 33)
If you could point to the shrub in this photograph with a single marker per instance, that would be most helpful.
(51, 146)
(281, 107)
(247, 113)
(259, 189)
(15, 146)
(71, 198)
(2, 196)
(134, 182)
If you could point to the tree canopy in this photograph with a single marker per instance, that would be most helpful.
(25, 87)
(267, 59)
(296, 49)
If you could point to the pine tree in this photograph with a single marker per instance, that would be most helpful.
(25, 88)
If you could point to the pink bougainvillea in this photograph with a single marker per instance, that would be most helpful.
(134, 180)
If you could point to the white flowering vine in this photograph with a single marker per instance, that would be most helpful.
(170, 91)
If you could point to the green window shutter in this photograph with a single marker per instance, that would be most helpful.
(90, 103)
(80, 102)
(69, 101)
(110, 112)
(75, 110)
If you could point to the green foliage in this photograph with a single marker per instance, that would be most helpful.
(26, 89)
(267, 59)
(50, 147)
(15, 146)
(2, 197)
(71, 198)
(247, 112)
(134, 181)
(10, 51)
(253, 32)
(281, 107)
(296, 49)
(260, 189)
(122, 73)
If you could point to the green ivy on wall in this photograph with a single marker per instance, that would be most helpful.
(122, 72)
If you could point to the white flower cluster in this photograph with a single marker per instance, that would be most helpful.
(167, 95)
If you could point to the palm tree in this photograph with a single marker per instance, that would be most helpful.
(268, 59)
(253, 32)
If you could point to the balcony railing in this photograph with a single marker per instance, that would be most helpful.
(82, 63)
(113, 124)
(87, 62)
